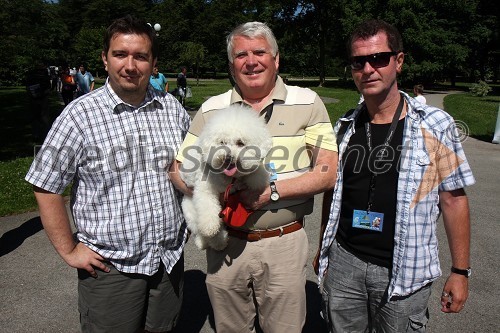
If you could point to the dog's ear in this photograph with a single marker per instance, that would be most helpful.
(206, 142)
(266, 146)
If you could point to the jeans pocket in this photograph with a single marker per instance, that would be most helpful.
(418, 322)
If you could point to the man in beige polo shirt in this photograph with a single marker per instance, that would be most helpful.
(262, 271)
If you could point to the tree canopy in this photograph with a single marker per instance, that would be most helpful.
(443, 39)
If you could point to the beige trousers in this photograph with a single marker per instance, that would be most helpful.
(265, 278)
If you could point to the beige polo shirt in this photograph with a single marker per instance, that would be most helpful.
(299, 119)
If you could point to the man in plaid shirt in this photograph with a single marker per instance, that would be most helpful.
(400, 165)
(115, 146)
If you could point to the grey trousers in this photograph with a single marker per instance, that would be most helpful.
(126, 303)
(355, 298)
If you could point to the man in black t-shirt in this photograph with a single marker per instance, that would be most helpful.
(400, 166)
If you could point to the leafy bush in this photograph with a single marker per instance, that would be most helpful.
(480, 89)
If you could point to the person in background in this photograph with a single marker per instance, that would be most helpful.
(68, 86)
(401, 166)
(38, 86)
(84, 80)
(182, 85)
(418, 90)
(54, 76)
(59, 81)
(262, 271)
(158, 80)
(130, 231)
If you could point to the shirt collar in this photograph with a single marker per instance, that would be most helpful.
(119, 106)
(412, 111)
(279, 92)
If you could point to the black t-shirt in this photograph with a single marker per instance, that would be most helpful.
(368, 245)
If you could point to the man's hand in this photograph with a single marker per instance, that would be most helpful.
(255, 199)
(455, 293)
(84, 258)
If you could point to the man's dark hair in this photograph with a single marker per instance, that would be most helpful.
(418, 88)
(370, 28)
(130, 25)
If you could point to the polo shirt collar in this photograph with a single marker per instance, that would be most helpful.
(279, 92)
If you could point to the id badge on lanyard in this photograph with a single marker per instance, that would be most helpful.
(367, 219)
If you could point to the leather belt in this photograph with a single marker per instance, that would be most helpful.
(255, 235)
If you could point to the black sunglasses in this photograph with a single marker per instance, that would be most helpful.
(376, 60)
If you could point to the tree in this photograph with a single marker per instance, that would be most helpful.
(88, 49)
(27, 39)
(442, 38)
(192, 53)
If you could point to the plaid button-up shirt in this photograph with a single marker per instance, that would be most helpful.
(123, 204)
(432, 160)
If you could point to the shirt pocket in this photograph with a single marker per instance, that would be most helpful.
(425, 175)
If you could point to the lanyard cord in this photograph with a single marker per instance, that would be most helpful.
(388, 139)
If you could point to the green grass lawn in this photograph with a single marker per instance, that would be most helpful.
(16, 152)
(16, 195)
(478, 113)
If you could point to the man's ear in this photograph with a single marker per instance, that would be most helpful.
(399, 62)
(104, 60)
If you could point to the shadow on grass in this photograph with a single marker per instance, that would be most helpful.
(485, 138)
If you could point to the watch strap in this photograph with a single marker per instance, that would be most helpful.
(274, 191)
(464, 272)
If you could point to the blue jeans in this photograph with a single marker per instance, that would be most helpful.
(355, 298)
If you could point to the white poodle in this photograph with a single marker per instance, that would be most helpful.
(233, 144)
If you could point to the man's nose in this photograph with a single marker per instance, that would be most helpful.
(251, 58)
(130, 63)
(367, 67)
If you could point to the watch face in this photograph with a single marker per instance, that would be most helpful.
(275, 196)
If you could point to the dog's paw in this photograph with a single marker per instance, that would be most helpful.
(209, 227)
(219, 241)
(200, 242)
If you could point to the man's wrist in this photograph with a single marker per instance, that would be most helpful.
(462, 271)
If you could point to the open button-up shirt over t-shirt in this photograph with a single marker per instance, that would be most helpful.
(432, 160)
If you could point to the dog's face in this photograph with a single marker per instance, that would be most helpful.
(235, 141)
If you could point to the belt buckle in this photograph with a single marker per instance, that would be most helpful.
(281, 232)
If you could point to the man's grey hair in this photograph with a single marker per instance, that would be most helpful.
(252, 30)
